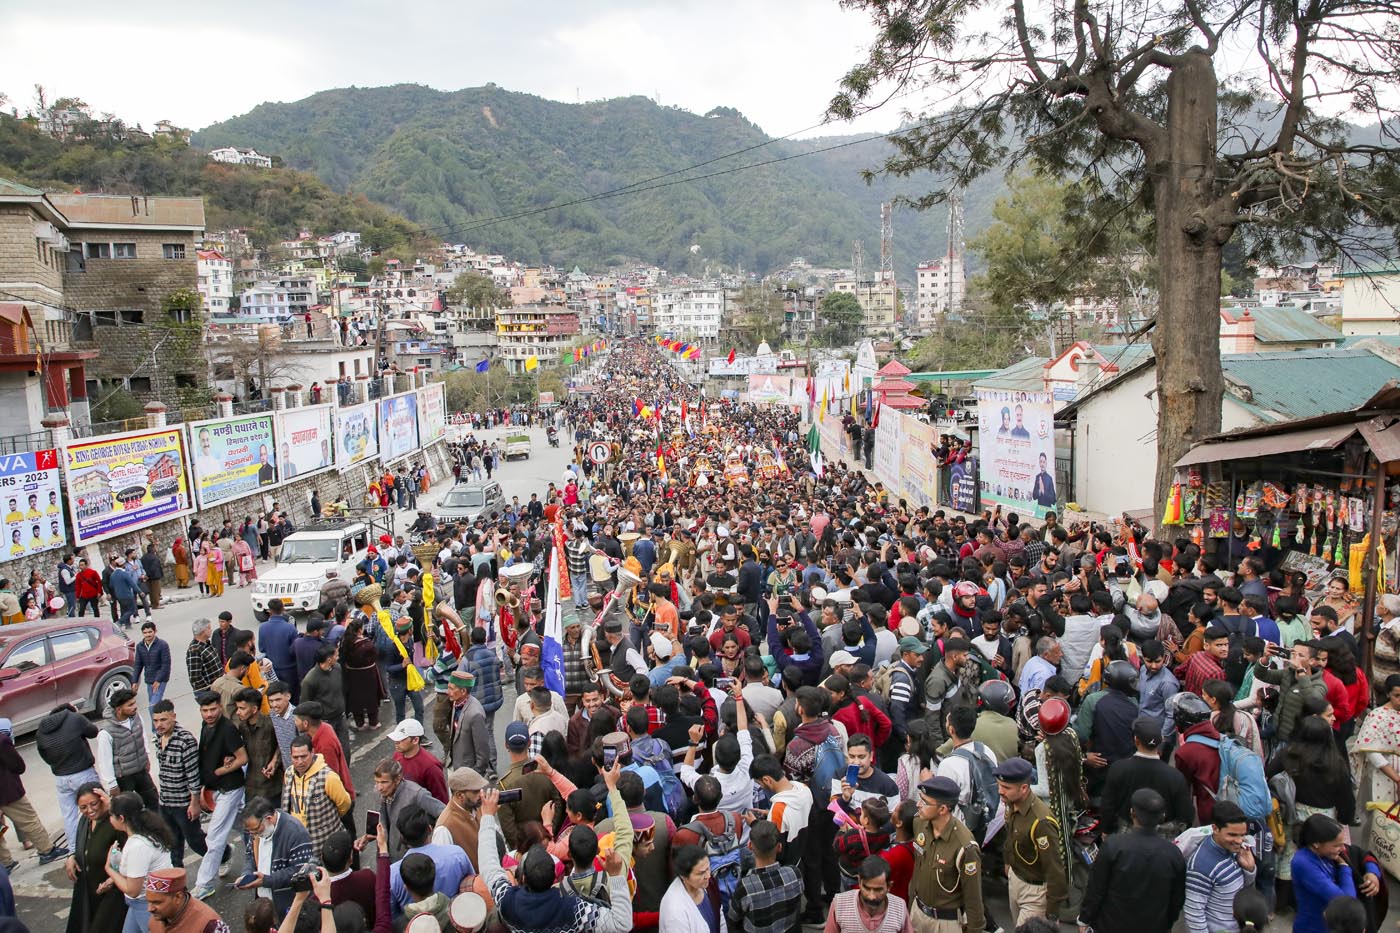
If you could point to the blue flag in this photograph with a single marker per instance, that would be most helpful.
(483, 366)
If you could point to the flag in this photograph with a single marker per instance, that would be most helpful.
(814, 447)
(875, 416)
(552, 651)
(731, 356)
(531, 364)
(685, 411)
(846, 382)
(636, 408)
(660, 460)
(483, 366)
(824, 397)
(854, 412)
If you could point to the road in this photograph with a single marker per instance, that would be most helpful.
(43, 893)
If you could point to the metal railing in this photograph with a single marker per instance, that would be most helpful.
(23, 443)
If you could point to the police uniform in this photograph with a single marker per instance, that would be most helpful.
(945, 891)
(1031, 845)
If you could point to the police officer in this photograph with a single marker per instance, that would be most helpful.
(1035, 869)
(946, 888)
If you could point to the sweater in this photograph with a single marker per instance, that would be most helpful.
(1213, 878)
(317, 799)
(291, 848)
(1315, 883)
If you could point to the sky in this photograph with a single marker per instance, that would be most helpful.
(777, 61)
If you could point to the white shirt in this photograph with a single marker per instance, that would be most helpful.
(797, 809)
(265, 863)
(106, 767)
(736, 787)
(141, 856)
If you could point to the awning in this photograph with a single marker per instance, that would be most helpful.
(1382, 435)
(1324, 438)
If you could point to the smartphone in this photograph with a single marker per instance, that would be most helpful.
(529, 767)
(852, 774)
(512, 795)
(724, 683)
(609, 756)
(371, 822)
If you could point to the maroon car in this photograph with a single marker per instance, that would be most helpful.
(42, 664)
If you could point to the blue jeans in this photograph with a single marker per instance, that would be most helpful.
(70, 604)
(579, 581)
(67, 786)
(226, 806)
(153, 696)
(138, 917)
(398, 690)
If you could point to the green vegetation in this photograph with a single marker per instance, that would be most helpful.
(468, 390)
(759, 317)
(840, 320)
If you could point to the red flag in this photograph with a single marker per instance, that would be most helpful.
(731, 356)
(875, 418)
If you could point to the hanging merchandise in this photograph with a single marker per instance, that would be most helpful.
(1275, 497)
(1219, 523)
(1217, 493)
(1247, 502)
(1191, 499)
(1356, 514)
(1171, 514)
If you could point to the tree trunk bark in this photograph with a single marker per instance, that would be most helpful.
(1186, 339)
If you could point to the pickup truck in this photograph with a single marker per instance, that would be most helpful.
(518, 445)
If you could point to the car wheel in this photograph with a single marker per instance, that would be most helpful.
(261, 616)
(105, 688)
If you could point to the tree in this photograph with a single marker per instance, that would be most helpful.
(841, 319)
(480, 296)
(1125, 94)
(759, 316)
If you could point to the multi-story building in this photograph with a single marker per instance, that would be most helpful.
(236, 156)
(277, 301)
(878, 303)
(541, 331)
(940, 288)
(215, 281)
(689, 313)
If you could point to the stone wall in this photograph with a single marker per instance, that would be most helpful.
(24, 259)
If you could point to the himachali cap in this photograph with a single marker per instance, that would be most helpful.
(166, 880)
(425, 922)
(464, 679)
(468, 912)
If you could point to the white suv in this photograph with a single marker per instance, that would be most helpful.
(307, 554)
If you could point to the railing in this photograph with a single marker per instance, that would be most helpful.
(22, 443)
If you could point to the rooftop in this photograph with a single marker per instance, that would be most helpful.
(1290, 324)
(1026, 376)
(1287, 385)
(119, 210)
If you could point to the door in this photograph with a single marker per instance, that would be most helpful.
(76, 666)
(29, 693)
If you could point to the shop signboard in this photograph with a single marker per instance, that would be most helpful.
(356, 434)
(304, 442)
(432, 412)
(232, 457)
(29, 491)
(124, 482)
(1016, 437)
(398, 426)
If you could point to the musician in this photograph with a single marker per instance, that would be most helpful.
(622, 653)
(665, 617)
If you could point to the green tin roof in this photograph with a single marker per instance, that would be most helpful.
(1292, 384)
(1289, 324)
(15, 189)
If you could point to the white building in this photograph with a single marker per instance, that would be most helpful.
(277, 301)
(691, 313)
(235, 156)
(1371, 302)
(215, 281)
(940, 288)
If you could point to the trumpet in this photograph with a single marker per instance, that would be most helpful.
(505, 599)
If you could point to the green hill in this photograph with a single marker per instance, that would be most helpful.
(271, 204)
(456, 161)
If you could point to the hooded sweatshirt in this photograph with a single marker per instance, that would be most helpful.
(800, 758)
(63, 742)
(436, 904)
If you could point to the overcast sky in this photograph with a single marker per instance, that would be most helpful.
(777, 61)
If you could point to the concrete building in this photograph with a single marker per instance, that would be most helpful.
(276, 300)
(878, 302)
(688, 313)
(236, 156)
(541, 331)
(1371, 301)
(940, 287)
(215, 281)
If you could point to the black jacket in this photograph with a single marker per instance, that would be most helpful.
(63, 741)
(1128, 774)
(1136, 885)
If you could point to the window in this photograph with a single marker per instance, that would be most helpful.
(98, 250)
(75, 260)
(123, 250)
(186, 381)
(139, 384)
(69, 644)
(28, 656)
(180, 315)
(107, 318)
(173, 250)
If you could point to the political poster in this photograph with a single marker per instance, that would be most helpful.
(123, 482)
(29, 490)
(1016, 440)
(432, 412)
(962, 485)
(232, 457)
(918, 471)
(356, 434)
(398, 426)
(889, 443)
(304, 443)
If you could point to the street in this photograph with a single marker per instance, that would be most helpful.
(42, 893)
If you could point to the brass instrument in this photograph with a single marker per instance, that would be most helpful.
(505, 599)
(628, 539)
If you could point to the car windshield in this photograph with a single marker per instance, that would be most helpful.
(463, 499)
(306, 550)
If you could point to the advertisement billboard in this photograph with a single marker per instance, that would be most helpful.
(122, 482)
(304, 444)
(889, 444)
(33, 506)
(232, 457)
(398, 426)
(432, 412)
(356, 434)
(1016, 437)
(918, 471)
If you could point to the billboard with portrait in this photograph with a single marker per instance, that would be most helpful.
(304, 443)
(432, 412)
(33, 505)
(356, 434)
(123, 482)
(398, 426)
(232, 457)
(1016, 440)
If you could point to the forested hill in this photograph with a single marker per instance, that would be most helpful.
(457, 161)
(272, 204)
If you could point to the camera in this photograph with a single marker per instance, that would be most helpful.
(301, 878)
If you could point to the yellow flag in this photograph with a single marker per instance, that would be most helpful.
(846, 382)
(531, 364)
(824, 397)
(854, 412)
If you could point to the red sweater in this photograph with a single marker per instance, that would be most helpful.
(1201, 766)
(88, 584)
(865, 717)
(900, 856)
(327, 744)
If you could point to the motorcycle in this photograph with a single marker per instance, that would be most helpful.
(553, 436)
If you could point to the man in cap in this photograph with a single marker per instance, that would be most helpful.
(906, 697)
(419, 765)
(460, 821)
(537, 789)
(1035, 865)
(471, 739)
(946, 888)
(174, 910)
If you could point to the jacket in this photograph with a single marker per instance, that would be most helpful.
(800, 757)
(1294, 688)
(679, 914)
(88, 585)
(326, 688)
(63, 742)
(153, 566)
(471, 740)
(317, 798)
(407, 795)
(291, 849)
(482, 662)
(1147, 877)
(864, 717)
(123, 585)
(11, 767)
(153, 660)
(1201, 766)
(275, 638)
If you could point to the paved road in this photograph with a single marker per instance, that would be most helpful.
(43, 892)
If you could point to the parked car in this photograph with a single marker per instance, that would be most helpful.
(79, 661)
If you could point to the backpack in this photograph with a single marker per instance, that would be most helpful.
(1241, 776)
(649, 753)
(726, 857)
(985, 799)
(830, 762)
(883, 684)
(597, 892)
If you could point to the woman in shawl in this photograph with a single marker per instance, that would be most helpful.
(97, 906)
(1386, 660)
(215, 557)
(201, 567)
(363, 689)
(243, 562)
(181, 555)
(1375, 755)
(249, 532)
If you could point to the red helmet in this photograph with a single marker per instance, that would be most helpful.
(1054, 716)
(966, 588)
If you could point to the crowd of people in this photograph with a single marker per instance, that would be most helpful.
(749, 699)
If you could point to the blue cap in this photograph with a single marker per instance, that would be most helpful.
(941, 788)
(517, 736)
(1013, 771)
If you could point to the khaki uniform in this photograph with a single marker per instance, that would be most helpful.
(1034, 868)
(947, 880)
(538, 790)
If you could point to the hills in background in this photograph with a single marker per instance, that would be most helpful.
(454, 162)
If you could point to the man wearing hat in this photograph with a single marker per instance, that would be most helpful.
(419, 766)
(460, 821)
(537, 789)
(471, 739)
(906, 697)
(174, 910)
(946, 888)
(1035, 867)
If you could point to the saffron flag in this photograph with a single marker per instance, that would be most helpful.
(531, 364)
(731, 356)
(483, 366)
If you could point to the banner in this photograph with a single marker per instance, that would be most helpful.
(121, 482)
(356, 434)
(1016, 441)
(33, 513)
(962, 485)
(304, 441)
(398, 426)
(232, 457)
(889, 442)
(432, 412)
(918, 471)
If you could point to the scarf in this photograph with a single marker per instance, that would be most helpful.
(413, 679)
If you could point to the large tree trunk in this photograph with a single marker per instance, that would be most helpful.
(1186, 339)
